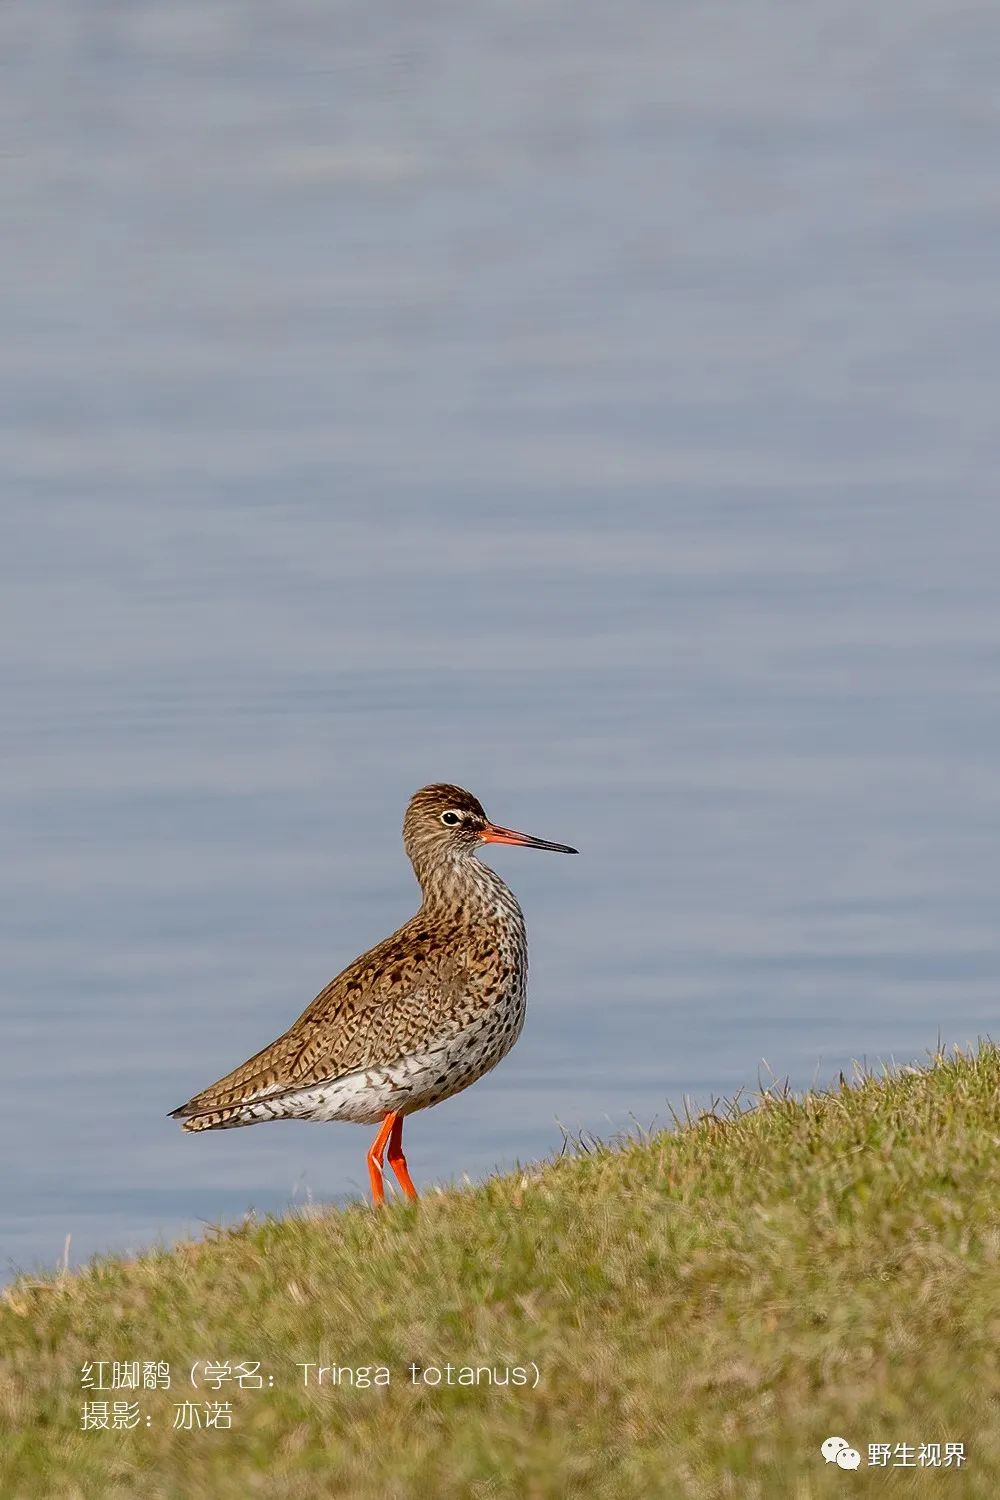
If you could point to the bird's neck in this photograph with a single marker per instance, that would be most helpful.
(469, 886)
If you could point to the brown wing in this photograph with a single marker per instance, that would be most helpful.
(385, 1004)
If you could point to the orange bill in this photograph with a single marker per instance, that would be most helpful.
(491, 834)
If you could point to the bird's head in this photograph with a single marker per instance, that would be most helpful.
(444, 824)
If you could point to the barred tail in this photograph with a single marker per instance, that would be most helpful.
(219, 1119)
(276, 1106)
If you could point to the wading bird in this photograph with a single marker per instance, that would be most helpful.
(416, 1019)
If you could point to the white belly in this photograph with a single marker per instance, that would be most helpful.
(414, 1082)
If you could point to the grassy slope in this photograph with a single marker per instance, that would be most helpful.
(705, 1307)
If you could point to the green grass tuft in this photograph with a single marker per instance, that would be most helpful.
(705, 1306)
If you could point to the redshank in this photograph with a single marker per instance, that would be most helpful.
(417, 1018)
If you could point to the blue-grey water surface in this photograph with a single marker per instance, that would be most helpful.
(593, 406)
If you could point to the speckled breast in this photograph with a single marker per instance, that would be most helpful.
(467, 1036)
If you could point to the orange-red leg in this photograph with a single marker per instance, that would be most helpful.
(397, 1160)
(375, 1156)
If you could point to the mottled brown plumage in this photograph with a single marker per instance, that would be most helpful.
(417, 1018)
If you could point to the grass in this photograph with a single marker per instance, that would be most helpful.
(704, 1306)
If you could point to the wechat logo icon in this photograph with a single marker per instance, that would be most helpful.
(837, 1450)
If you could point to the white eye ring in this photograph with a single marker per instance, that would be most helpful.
(451, 818)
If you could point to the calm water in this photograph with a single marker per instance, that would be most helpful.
(594, 407)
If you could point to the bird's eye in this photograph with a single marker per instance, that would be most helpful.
(451, 818)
